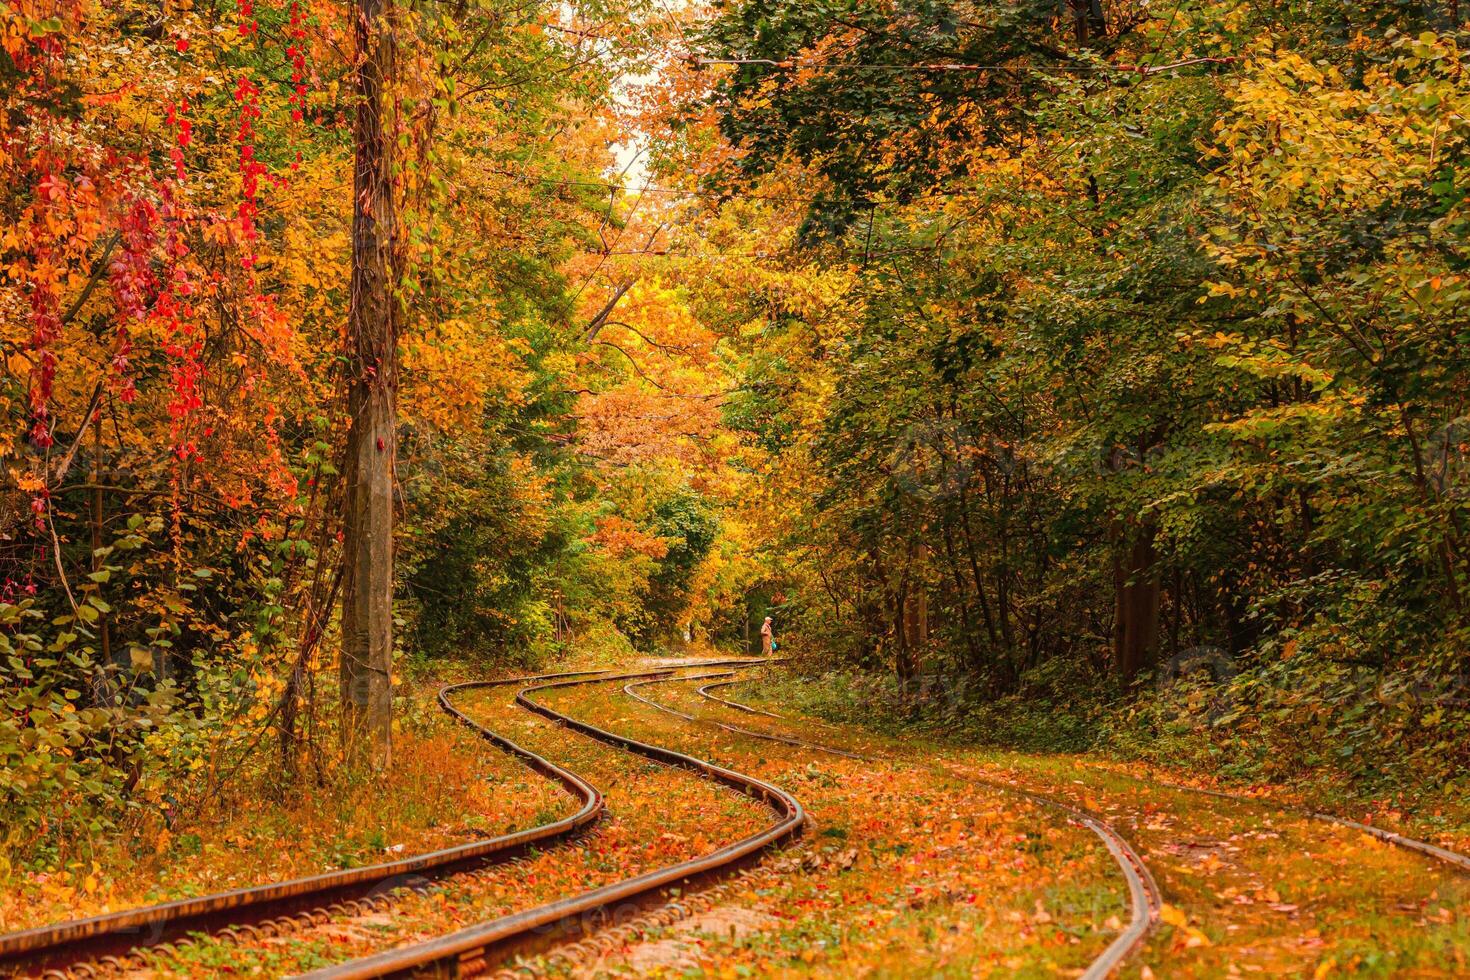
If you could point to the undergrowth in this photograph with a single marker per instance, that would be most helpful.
(446, 788)
(1303, 713)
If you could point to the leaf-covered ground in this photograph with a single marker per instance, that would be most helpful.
(904, 869)
(905, 872)
(448, 788)
(1251, 886)
(913, 866)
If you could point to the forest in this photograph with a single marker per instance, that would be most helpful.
(1050, 419)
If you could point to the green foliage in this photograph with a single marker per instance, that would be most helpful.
(86, 736)
(1313, 711)
(475, 560)
(687, 528)
(845, 121)
(1045, 716)
(1138, 365)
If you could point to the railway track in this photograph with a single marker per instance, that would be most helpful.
(116, 940)
(107, 943)
(1434, 852)
(704, 692)
(478, 948)
(1144, 899)
(628, 689)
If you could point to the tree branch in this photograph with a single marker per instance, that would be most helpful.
(600, 320)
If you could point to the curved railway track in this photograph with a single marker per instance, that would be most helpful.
(1434, 852)
(1144, 899)
(1424, 848)
(113, 940)
(476, 949)
(628, 689)
(704, 692)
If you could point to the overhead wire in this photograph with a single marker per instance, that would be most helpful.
(1122, 69)
(1146, 69)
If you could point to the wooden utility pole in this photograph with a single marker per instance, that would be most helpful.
(372, 356)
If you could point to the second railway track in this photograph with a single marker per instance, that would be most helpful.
(1434, 852)
(118, 938)
(1144, 899)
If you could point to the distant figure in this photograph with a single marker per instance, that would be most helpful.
(768, 642)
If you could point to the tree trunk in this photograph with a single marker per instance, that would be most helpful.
(1088, 20)
(1136, 609)
(916, 605)
(897, 613)
(989, 618)
(962, 593)
(372, 352)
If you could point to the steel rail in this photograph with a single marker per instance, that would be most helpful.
(768, 736)
(1145, 901)
(470, 951)
(704, 692)
(1433, 851)
(78, 940)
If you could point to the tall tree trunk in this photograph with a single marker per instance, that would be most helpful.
(1088, 20)
(916, 604)
(1136, 610)
(372, 351)
(970, 553)
(896, 599)
(947, 523)
(963, 594)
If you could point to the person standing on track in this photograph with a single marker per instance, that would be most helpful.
(768, 640)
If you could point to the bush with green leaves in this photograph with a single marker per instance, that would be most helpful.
(102, 715)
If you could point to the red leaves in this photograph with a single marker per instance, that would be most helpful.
(106, 230)
(296, 54)
(133, 284)
(51, 187)
(45, 330)
(176, 118)
(245, 14)
(131, 272)
(247, 91)
(247, 96)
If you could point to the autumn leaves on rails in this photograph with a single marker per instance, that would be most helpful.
(661, 831)
(912, 858)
